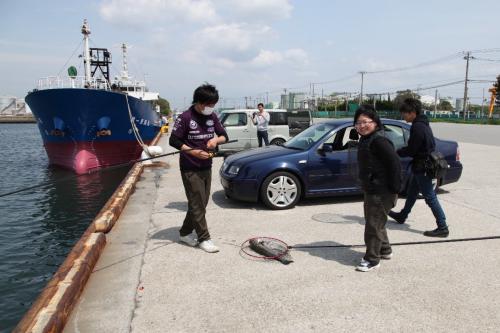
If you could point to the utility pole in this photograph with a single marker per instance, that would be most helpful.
(467, 57)
(482, 106)
(362, 81)
(246, 102)
(267, 97)
(435, 102)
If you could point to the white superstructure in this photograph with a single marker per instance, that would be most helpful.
(95, 59)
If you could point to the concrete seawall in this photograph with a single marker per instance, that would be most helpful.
(17, 119)
(52, 307)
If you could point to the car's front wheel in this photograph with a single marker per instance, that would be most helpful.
(280, 190)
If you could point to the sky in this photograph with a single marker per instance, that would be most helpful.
(256, 49)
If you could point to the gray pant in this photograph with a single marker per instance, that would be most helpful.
(376, 207)
(197, 188)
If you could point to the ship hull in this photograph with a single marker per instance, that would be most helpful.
(88, 129)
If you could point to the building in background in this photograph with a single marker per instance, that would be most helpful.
(13, 106)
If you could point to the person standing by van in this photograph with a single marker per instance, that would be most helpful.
(261, 119)
(196, 131)
(380, 176)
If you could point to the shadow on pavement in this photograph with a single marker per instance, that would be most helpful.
(170, 234)
(177, 205)
(332, 218)
(219, 198)
(330, 200)
(391, 225)
(343, 255)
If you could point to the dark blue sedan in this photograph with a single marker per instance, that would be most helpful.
(321, 161)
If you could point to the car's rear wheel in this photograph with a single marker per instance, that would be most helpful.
(278, 142)
(280, 190)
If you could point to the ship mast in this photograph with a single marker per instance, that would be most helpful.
(86, 52)
(124, 65)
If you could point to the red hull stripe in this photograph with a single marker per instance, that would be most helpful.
(85, 156)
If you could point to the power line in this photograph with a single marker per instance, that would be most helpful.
(494, 50)
(423, 64)
(486, 59)
(337, 80)
(456, 55)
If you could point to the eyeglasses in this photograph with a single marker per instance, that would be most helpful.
(363, 123)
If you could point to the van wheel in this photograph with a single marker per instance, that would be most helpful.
(278, 142)
(280, 190)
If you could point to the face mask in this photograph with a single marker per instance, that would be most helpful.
(207, 111)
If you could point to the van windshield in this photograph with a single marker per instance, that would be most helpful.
(309, 137)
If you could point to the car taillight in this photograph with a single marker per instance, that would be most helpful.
(457, 157)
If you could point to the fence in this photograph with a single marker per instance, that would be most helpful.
(390, 114)
(350, 114)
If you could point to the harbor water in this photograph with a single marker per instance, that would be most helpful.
(39, 227)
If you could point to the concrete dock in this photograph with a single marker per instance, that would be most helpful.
(145, 281)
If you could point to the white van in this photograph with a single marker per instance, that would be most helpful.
(239, 126)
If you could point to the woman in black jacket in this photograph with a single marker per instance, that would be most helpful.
(380, 176)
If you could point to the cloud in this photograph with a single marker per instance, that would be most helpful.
(141, 13)
(297, 58)
(233, 43)
(260, 10)
(267, 58)
(30, 58)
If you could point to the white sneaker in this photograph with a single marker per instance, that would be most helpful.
(189, 240)
(209, 246)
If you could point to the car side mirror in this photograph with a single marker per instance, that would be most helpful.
(325, 148)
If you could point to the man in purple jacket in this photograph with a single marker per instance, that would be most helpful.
(195, 132)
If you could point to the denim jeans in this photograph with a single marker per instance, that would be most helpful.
(262, 135)
(419, 182)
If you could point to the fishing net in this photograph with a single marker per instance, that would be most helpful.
(267, 248)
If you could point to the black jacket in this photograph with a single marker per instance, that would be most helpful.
(379, 165)
(420, 144)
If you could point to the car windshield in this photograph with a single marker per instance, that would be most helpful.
(310, 136)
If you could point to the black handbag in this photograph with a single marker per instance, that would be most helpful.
(436, 165)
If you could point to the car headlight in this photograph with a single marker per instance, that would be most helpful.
(233, 170)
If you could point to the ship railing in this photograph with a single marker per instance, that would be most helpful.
(56, 82)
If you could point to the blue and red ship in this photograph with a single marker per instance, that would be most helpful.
(91, 122)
